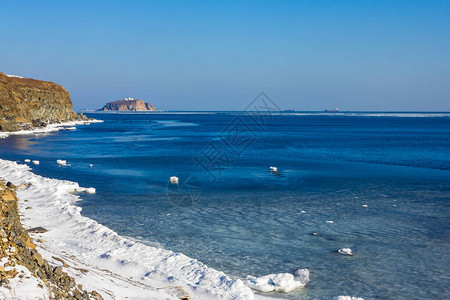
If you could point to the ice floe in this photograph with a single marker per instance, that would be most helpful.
(61, 162)
(26, 160)
(347, 298)
(281, 282)
(345, 251)
(35, 162)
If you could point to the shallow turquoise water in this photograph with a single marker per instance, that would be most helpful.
(238, 217)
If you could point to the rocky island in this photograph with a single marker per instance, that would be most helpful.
(27, 103)
(128, 104)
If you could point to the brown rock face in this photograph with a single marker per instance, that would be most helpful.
(128, 105)
(27, 103)
(17, 248)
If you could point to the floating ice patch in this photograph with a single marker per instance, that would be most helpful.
(61, 162)
(90, 190)
(26, 160)
(347, 298)
(345, 251)
(35, 162)
(281, 282)
(329, 222)
(365, 205)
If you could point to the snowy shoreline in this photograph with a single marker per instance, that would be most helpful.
(117, 267)
(50, 128)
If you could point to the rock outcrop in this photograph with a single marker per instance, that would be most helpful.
(18, 249)
(128, 105)
(28, 103)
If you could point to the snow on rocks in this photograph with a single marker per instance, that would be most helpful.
(345, 251)
(347, 298)
(25, 284)
(281, 282)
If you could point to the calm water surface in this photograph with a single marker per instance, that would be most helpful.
(233, 214)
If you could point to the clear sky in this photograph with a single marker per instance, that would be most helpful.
(211, 55)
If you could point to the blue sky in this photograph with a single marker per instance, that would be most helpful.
(211, 55)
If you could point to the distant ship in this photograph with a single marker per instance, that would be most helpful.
(331, 110)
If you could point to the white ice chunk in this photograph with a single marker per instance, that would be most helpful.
(174, 179)
(91, 165)
(302, 275)
(347, 298)
(71, 128)
(90, 190)
(281, 282)
(365, 205)
(26, 160)
(61, 162)
(284, 283)
(274, 169)
(262, 284)
(345, 251)
(329, 222)
(36, 162)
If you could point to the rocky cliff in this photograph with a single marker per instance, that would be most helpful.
(128, 105)
(28, 103)
(17, 250)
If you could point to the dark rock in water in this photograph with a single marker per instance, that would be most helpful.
(37, 230)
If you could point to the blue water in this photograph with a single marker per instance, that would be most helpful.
(238, 217)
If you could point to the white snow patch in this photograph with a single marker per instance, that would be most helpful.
(15, 76)
(22, 288)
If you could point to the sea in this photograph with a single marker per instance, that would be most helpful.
(378, 183)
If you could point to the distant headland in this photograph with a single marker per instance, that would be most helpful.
(128, 104)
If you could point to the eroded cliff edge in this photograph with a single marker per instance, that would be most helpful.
(27, 103)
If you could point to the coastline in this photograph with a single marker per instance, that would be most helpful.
(96, 256)
(50, 128)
